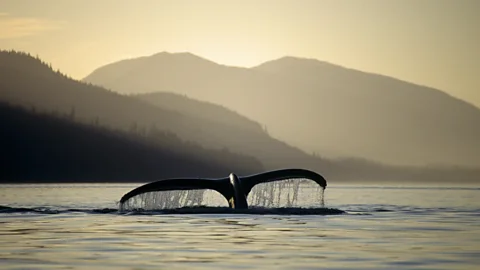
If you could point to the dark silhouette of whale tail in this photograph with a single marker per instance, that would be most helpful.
(235, 189)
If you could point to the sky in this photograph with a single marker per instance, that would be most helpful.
(429, 42)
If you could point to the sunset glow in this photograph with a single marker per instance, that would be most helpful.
(430, 42)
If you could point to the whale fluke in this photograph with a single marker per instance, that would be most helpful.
(233, 188)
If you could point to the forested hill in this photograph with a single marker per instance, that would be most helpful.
(53, 148)
(27, 81)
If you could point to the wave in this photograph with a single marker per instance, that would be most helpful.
(347, 209)
(51, 211)
(406, 209)
(183, 210)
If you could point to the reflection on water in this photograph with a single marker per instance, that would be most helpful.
(387, 228)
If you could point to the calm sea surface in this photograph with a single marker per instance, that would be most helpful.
(65, 226)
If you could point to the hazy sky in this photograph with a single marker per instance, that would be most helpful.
(429, 42)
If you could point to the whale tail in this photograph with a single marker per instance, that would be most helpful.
(233, 188)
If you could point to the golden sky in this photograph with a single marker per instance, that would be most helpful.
(429, 42)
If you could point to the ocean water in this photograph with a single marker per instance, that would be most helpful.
(78, 226)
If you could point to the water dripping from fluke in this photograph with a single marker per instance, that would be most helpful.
(288, 191)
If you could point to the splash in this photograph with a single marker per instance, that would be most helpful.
(164, 200)
(287, 193)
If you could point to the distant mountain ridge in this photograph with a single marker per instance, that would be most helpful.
(318, 106)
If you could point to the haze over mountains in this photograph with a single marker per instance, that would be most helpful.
(32, 84)
(73, 131)
(319, 107)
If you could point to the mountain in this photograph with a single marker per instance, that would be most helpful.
(68, 130)
(317, 106)
(38, 147)
(27, 81)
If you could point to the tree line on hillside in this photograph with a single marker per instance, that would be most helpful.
(39, 147)
(28, 82)
(52, 147)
